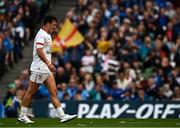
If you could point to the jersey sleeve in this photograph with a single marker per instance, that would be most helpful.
(40, 42)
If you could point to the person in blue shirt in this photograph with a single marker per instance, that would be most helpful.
(8, 48)
(83, 93)
(72, 88)
(115, 92)
(2, 111)
(62, 90)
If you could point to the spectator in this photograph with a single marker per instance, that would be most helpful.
(142, 96)
(176, 96)
(88, 61)
(13, 104)
(61, 77)
(103, 88)
(17, 28)
(24, 78)
(88, 82)
(151, 89)
(62, 89)
(127, 96)
(72, 88)
(11, 92)
(115, 92)
(81, 94)
(2, 113)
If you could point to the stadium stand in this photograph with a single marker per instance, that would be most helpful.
(144, 44)
(17, 28)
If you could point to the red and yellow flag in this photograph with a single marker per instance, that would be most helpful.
(67, 37)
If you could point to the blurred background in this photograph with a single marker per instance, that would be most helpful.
(116, 53)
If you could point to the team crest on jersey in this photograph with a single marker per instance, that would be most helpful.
(40, 76)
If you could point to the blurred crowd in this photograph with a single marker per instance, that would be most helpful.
(18, 20)
(17, 28)
(131, 52)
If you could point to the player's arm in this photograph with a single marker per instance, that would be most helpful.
(42, 56)
(39, 49)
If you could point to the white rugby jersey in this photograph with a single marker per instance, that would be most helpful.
(42, 40)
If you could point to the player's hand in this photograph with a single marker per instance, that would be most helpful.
(51, 67)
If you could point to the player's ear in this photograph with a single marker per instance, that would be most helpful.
(48, 24)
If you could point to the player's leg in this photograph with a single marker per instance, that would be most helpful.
(32, 89)
(51, 86)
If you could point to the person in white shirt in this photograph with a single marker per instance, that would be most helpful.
(88, 61)
(41, 71)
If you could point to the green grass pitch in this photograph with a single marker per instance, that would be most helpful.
(92, 123)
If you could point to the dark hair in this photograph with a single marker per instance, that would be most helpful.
(49, 19)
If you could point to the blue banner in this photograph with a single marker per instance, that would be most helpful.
(111, 109)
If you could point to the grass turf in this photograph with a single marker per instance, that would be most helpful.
(93, 123)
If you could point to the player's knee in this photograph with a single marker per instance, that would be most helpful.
(30, 93)
(27, 96)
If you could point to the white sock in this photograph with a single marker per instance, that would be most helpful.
(60, 112)
(24, 111)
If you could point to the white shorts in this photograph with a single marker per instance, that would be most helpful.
(38, 77)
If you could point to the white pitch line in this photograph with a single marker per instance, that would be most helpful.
(91, 127)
